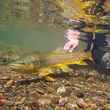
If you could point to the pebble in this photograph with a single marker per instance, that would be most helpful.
(2, 100)
(98, 99)
(93, 106)
(63, 101)
(108, 96)
(107, 106)
(44, 101)
(81, 103)
(5, 78)
(21, 101)
(71, 106)
(61, 90)
(101, 108)
(92, 73)
(9, 83)
(8, 103)
(80, 95)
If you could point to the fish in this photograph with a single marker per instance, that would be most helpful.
(46, 65)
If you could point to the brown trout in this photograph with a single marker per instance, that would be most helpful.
(43, 65)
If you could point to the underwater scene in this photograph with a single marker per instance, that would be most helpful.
(54, 55)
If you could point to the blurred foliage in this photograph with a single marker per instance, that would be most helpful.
(89, 11)
(5, 11)
(30, 10)
(51, 11)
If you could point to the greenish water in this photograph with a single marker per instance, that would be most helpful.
(40, 37)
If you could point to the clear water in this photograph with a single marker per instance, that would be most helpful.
(40, 37)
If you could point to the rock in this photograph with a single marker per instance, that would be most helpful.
(93, 106)
(81, 103)
(40, 21)
(59, 108)
(9, 103)
(63, 101)
(61, 90)
(108, 96)
(99, 99)
(92, 74)
(107, 107)
(5, 78)
(101, 108)
(50, 108)
(80, 94)
(9, 83)
(44, 101)
(71, 106)
(2, 100)
(21, 101)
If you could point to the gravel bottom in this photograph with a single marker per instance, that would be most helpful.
(84, 89)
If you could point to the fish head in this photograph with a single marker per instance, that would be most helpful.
(27, 64)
